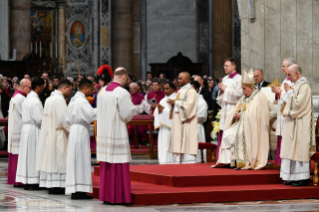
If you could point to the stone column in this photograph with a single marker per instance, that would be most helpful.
(4, 30)
(20, 27)
(221, 34)
(122, 34)
(61, 36)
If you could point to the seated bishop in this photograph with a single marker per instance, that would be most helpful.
(245, 141)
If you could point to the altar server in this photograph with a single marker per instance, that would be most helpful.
(32, 111)
(15, 124)
(229, 93)
(298, 135)
(280, 92)
(163, 122)
(78, 168)
(53, 143)
(115, 110)
(245, 142)
(154, 97)
(184, 137)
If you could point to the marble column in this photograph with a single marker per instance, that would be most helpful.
(122, 34)
(4, 30)
(20, 27)
(222, 34)
(61, 36)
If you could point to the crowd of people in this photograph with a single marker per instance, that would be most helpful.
(49, 130)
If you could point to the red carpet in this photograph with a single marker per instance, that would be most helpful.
(195, 183)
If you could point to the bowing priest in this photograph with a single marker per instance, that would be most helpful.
(202, 108)
(184, 137)
(280, 92)
(53, 143)
(78, 168)
(32, 111)
(115, 110)
(245, 142)
(229, 93)
(154, 97)
(15, 124)
(298, 136)
(163, 122)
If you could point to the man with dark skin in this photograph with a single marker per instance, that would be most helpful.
(183, 79)
(168, 90)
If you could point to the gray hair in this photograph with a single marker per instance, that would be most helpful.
(290, 62)
(70, 79)
(134, 83)
(259, 69)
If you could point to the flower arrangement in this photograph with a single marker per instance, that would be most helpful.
(216, 126)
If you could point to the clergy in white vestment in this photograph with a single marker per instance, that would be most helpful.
(163, 122)
(53, 143)
(298, 136)
(184, 135)
(15, 124)
(229, 93)
(79, 117)
(245, 142)
(115, 110)
(202, 108)
(32, 111)
(280, 92)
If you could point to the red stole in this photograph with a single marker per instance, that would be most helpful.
(112, 86)
(19, 92)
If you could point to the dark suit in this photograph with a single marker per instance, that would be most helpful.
(207, 95)
(264, 84)
(5, 100)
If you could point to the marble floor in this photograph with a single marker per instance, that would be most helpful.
(17, 199)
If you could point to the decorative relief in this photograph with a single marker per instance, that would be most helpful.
(105, 26)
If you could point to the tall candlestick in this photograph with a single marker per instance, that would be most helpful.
(50, 49)
(56, 50)
(40, 50)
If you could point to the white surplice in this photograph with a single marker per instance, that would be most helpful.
(78, 168)
(53, 143)
(229, 97)
(32, 111)
(201, 118)
(114, 110)
(15, 123)
(164, 124)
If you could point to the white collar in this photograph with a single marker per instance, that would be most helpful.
(186, 86)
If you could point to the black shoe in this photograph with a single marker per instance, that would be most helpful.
(301, 183)
(57, 191)
(26, 186)
(108, 203)
(18, 186)
(289, 182)
(81, 195)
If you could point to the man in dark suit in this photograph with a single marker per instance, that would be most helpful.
(259, 79)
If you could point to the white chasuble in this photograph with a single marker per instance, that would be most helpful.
(247, 139)
(78, 168)
(15, 123)
(229, 97)
(280, 118)
(298, 138)
(32, 111)
(115, 110)
(184, 136)
(53, 144)
(163, 122)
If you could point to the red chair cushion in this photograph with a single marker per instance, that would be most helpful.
(202, 145)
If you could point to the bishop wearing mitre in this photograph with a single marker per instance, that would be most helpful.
(298, 137)
(245, 141)
(184, 136)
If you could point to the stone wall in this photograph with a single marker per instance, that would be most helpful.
(171, 28)
(4, 30)
(281, 29)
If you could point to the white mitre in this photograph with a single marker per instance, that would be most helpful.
(248, 78)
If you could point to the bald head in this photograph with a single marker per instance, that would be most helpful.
(294, 73)
(183, 78)
(121, 75)
(25, 86)
(199, 79)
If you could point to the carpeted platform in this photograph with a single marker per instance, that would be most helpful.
(196, 183)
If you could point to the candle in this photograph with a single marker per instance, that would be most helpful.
(36, 47)
(40, 50)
